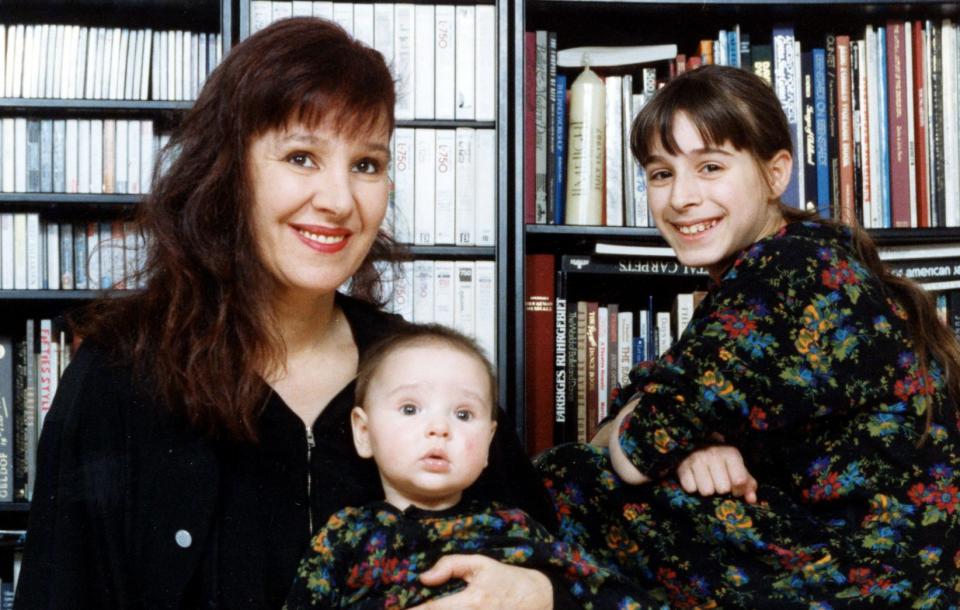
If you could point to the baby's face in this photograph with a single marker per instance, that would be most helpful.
(427, 423)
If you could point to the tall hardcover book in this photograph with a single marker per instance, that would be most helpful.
(845, 132)
(560, 345)
(539, 353)
(785, 81)
(897, 141)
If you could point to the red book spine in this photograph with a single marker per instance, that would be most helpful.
(845, 115)
(539, 351)
(529, 127)
(897, 139)
(920, 125)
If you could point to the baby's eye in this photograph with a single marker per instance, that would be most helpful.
(302, 159)
(368, 166)
(409, 409)
(464, 414)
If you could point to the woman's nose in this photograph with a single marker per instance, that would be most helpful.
(333, 193)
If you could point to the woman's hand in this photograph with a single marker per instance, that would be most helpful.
(490, 585)
(618, 459)
(718, 469)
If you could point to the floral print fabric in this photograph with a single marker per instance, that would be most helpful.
(372, 557)
(800, 359)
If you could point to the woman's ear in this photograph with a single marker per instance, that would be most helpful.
(361, 433)
(778, 172)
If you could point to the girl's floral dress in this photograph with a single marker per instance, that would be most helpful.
(372, 557)
(800, 360)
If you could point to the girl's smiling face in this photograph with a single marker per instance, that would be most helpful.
(712, 201)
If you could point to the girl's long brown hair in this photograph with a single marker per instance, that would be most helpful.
(201, 332)
(732, 105)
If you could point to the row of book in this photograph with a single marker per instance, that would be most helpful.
(589, 319)
(78, 62)
(30, 370)
(460, 294)
(39, 255)
(444, 56)
(445, 186)
(77, 155)
(873, 119)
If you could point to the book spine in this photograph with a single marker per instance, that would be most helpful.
(466, 61)
(560, 151)
(560, 345)
(34, 252)
(785, 79)
(529, 127)
(404, 184)
(445, 187)
(466, 185)
(6, 251)
(52, 238)
(883, 123)
(539, 358)
(46, 156)
(485, 315)
(423, 277)
(486, 187)
(540, 129)
(464, 313)
(593, 312)
(613, 151)
(66, 256)
(833, 122)
(570, 427)
(897, 135)
(80, 256)
(625, 344)
(486, 63)
(93, 256)
(938, 197)
(425, 68)
(847, 212)
(6, 419)
(582, 387)
(30, 407)
(425, 186)
(443, 292)
(445, 57)
(920, 123)
(404, 60)
(821, 130)
(551, 105)
(603, 361)
(809, 137)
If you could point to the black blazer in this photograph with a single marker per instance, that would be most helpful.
(126, 494)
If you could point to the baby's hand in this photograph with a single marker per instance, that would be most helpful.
(718, 469)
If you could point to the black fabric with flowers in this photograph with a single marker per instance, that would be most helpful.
(800, 360)
(372, 557)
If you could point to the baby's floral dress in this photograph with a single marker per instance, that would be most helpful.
(802, 360)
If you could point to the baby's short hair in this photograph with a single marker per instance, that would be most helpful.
(417, 335)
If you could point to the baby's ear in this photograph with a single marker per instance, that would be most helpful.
(361, 433)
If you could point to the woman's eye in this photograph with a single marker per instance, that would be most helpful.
(301, 159)
(464, 415)
(368, 166)
(408, 409)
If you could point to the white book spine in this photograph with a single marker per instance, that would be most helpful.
(363, 23)
(445, 187)
(466, 174)
(83, 158)
(383, 31)
(9, 155)
(425, 66)
(29, 61)
(323, 9)
(302, 8)
(34, 255)
(44, 76)
(486, 187)
(951, 152)
(148, 62)
(603, 358)
(486, 307)
(261, 14)
(6, 251)
(425, 187)
(20, 152)
(875, 218)
(20, 251)
(59, 160)
(124, 65)
(120, 157)
(116, 61)
(282, 9)
(486, 63)
(464, 298)
(146, 156)
(423, 275)
(66, 256)
(403, 291)
(172, 68)
(45, 374)
(404, 162)
(71, 150)
(91, 63)
(613, 141)
(404, 60)
(443, 293)
(133, 74)
(343, 15)
(624, 346)
(53, 255)
(466, 62)
(664, 338)
(93, 256)
(445, 57)
(133, 157)
(96, 156)
(155, 80)
(3, 58)
(16, 90)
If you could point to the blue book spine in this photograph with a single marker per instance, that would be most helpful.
(882, 123)
(733, 47)
(821, 129)
(639, 349)
(785, 84)
(559, 125)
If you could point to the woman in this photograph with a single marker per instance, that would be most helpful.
(202, 431)
(833, 378)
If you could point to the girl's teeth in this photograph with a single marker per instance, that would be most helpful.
(322, 239)
(697, 228)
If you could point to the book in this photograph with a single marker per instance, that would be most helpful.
(404, 184)
(613, 265)
(897, 142)
(404, 60)
(581, 369)
(444, 55)
(485, 49)
(443, 292)
(530, 211)
(560, 150)
(425, 68)
(539, 354)
(485, 315)
(577, 57)
(560, 346)
(423, 278)
(6, 419)
(785, 80)
(613, 152)
(466, 62)
(486, 201)
(424, 186)
(445, 187)
(466, 185)
(464, 308)
(540, 123)
(591, 358)
(845, 130)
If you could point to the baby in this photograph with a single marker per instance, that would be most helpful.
(427, 417)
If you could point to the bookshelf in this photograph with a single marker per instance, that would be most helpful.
(578, 23)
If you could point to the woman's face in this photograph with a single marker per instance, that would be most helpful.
(710, 202)
(318, 200)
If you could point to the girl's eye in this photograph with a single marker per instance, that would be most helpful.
(464, 414)
(301, 159)
(711, 168)
(368, 166)
(408, 409)
(659, 174)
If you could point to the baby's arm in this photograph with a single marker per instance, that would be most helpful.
(717, 469)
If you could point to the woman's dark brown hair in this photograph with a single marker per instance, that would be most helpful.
(732, 105)
(202, 331)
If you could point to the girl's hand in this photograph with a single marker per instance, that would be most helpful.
(718, 469)
(490, 584)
